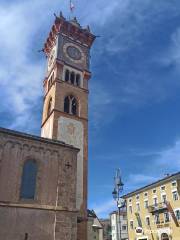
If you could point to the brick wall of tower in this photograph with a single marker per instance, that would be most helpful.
(63, 35)
(82, 97)
(58, 91)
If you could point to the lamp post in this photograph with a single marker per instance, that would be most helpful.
(118, 188)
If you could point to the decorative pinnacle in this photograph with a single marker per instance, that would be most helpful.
(75, 22)
(88, 28)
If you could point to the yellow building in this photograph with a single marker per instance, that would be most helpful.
(154, 211)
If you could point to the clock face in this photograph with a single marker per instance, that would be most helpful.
(74, 53)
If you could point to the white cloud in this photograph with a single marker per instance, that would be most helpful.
(124, 29)
(172, 55)
(139, 180)
(133, 182)
(170, 158)
(100, 12)
(100, 101)
(103, 209)
(21, 71)
(166, 161)
(20, 76)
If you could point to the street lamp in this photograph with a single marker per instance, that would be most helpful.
(118, 188)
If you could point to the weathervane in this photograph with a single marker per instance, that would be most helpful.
(71, 7)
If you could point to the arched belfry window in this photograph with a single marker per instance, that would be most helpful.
(70, 105)
(72, 77)
(66, 104)
(49, 109)
(28, 184)
(67, 76)
(78, 77)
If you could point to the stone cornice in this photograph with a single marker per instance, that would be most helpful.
(37, 206)
(36, 138)
(71, 29)
(64, 114)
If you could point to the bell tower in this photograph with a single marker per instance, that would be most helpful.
(65, 111)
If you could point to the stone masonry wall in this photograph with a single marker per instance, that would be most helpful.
(53, 210)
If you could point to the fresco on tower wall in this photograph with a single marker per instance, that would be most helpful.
(71, 132)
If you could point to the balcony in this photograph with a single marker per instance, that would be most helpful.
(157, 208)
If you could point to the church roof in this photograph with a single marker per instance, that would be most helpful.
(36, 138)
(91, 213)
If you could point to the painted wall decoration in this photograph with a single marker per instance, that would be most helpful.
(71, 132)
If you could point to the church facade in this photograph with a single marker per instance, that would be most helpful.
(37, 188)
(43, 180)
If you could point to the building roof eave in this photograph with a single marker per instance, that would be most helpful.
(151, 185)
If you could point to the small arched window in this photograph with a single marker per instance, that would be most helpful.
(73, 106)
(67, 76)
(78, 77)
(66, 104)
(49, 107)
(72, 77)
(70, 105)
(164, 236)
(28, 184)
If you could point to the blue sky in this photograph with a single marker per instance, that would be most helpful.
(134, 117)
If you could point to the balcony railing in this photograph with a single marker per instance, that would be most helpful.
(159, 207)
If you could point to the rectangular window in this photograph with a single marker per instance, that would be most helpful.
(113, 227)
(163, 188)
(156, 219)
(177, 212)
(155, 201)
(174, 184)
(130, 209)
(138, 207)
(175, 196)
(137, 197)
(154, 190)
(164, 198)
(131, 225)
(145, 194)
(146, 204)
(124, 227)
(148, 221)
(166, 217)
(130, 200)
